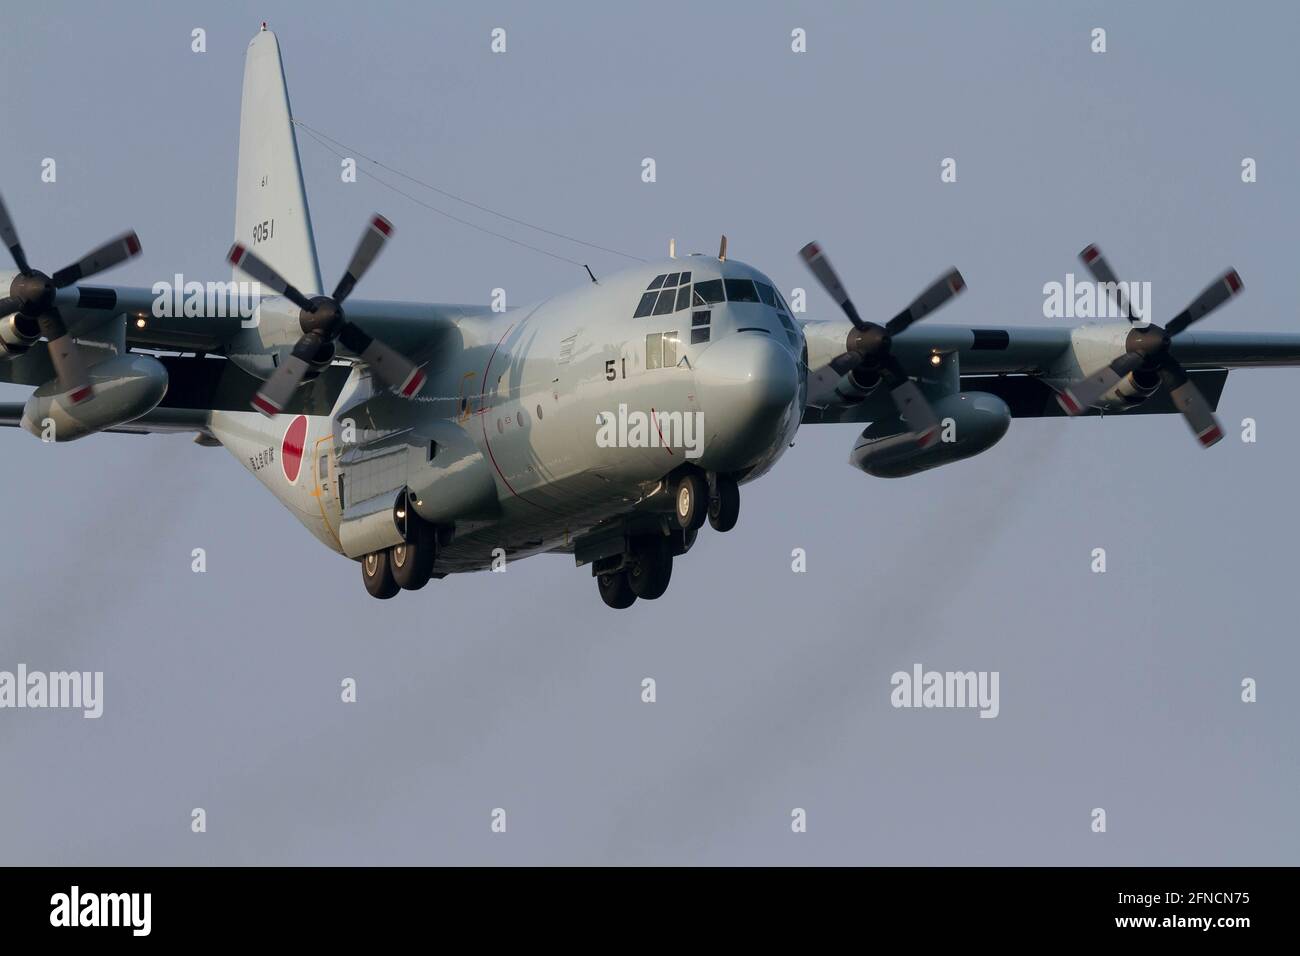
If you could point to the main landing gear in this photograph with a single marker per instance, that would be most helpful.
(645, 567)
(403, 567)
(643, 570)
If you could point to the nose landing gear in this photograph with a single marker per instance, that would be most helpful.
(718, 498)
(691, 501)
(724, 504)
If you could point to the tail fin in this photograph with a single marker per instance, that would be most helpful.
(271, 213)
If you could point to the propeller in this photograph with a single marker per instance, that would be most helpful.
(31, 296)
(1147, 353)
(323, 323)
(868, 356)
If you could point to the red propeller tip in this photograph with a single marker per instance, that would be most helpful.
(956, 282)
(810, 251)
(1210, 436)
(1233, 280)
(133, 244)
(927, 438)
(1068, 402)
(236, 254)
(81, 394)
(1089, 254)
(382, 224)
(413, 384)
(265, 406)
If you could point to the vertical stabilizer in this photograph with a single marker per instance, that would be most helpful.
(271, 215)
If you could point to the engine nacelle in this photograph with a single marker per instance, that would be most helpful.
(17, 335)
(126, 387)
(1133, 389)
(971, 422)
(856, 385)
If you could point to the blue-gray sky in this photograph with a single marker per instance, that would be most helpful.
(522, 690)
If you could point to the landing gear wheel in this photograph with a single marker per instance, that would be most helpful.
(692, 499)
(412, 562)
(615, 590)
(377, 574)
(651, 568)
(724, 506)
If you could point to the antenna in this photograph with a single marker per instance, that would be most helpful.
(672, 248)
(590, 273)
(722, 250)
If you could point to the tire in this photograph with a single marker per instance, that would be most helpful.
(377, 575)
(651, 568)
(691, 503)
(615, 590)
(724, 507)
(412, 562)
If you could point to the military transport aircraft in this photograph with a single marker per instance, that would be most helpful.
(422, 440)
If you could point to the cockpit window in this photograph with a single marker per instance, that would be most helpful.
(781, 301)
(674, 293)
(766, 293)
(646, 304)
(741, 290)
(709, 291)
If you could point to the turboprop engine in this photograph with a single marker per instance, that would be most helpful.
(969, 423)
(124, 388)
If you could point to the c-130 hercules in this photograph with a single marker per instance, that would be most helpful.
(423, 440)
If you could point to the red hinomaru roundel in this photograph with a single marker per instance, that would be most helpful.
(295, 438)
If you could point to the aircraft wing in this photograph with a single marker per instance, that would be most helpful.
(1016, 363)
(160, 420)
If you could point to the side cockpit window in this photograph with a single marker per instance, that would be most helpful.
(666, 294)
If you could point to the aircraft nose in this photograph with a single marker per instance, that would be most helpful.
(747, 384)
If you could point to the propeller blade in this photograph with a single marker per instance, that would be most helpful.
(9, 305)
(1079, 396)
(1219, 292)
(913, 408)
(277, 391)
(70, 365)
(9, 235)
(389, 366)
(1187, 398)
(372, 243)
(1101, 271)
(821, 268)
(241, 258)
(939, 292)
(106, 256)
(846, 362)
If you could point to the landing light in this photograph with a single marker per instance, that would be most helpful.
(936, 359)
(139, 323)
